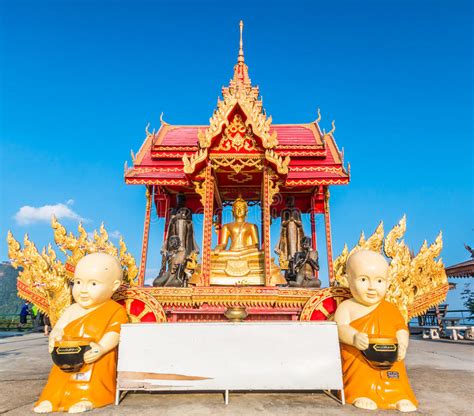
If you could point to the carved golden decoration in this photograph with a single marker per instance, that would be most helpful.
(169, 182)
(244, 177)
(225, 296)
(310, 153)
(128, 262)
(314, 182)
(167, 155)
(174, 148)
(191, 161)
(337, 171)
(237, 135)
(45, 281)
(150, 170)
(236, 162)
(200, 188)
(417, 282)
(319, 116)
(280, 163)
(274, 187)
(333, 129)
(147, 132)
(252, 108)
(163, 122)
(317, 147)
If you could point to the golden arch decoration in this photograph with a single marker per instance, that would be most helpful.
(322, 305)
(140, 306)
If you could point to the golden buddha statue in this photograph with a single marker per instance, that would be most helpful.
(243, 262)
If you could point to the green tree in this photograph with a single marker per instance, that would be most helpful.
(468, 296)
(9, 302)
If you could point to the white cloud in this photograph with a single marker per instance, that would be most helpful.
(115, 234)
(29, 215)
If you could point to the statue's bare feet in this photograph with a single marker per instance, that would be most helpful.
(82, 406)
(405, 406)
(364, 403)
(44, 407)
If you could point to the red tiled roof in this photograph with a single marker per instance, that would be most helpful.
(288, 135)
(296, 134)
(464, 269)
(160, 157)
(181, 135)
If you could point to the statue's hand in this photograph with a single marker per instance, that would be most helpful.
(361, 341)
(402, 351)
(55, 335)
(94, 353)
(403, 340)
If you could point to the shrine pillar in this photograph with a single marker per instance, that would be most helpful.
(327, 222)
(208, 203)
(218, 213)
(312, 214)
(167, 216)
(266, 201)
(146, 235)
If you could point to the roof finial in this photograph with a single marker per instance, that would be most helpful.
(241, 50)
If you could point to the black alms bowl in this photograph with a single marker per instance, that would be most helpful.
(68, 354)
(382, 352)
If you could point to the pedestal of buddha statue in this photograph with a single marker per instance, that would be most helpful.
(243, 262)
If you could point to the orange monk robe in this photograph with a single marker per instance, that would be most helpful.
(95, 382)
(384, 387)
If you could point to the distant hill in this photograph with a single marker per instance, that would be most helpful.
(9, 301)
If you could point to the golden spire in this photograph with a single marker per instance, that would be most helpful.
(241, 49)
(241, 76)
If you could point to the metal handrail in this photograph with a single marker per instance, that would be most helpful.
(12, 321)
(466, 315)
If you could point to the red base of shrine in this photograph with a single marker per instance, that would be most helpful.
(215, 314)
(209, 304)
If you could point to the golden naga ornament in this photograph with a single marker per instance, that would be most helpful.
(193, 160)
(280, 163)
(417, 282)
(42, 280)
(45, 281)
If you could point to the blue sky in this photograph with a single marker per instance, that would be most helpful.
(81, 79)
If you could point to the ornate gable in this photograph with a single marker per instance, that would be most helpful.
(238, 125)
(237, 137)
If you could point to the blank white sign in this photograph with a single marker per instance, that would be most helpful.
(229, 356)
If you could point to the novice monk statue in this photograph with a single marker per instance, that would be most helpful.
(96, 317)
(369, 314)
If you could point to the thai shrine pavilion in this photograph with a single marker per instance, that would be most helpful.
(239, 154)
(239, 159)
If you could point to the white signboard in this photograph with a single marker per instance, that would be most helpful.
(229, 356)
